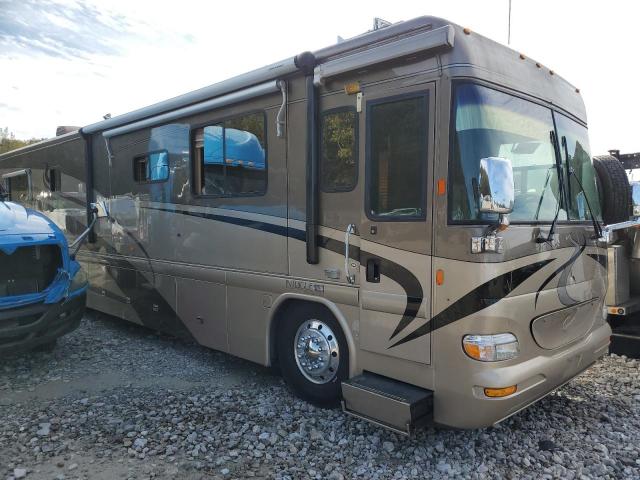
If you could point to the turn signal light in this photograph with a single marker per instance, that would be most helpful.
(500, 392)
(491, 348)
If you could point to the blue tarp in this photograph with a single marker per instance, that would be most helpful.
(242, 148)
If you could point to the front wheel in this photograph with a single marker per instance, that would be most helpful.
(313, 354)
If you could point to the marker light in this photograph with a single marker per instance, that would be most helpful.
(500, 392)
(352, 88)
(491, 348)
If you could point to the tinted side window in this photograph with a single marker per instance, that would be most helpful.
(153, 167)
(339, 151)
(576, 156)
(52, 179)
(18, 187)
(140, 167)
(231, 157)
(397, 151)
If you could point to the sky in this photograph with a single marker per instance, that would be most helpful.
(69, 62)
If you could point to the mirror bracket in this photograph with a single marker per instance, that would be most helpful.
(489, 243)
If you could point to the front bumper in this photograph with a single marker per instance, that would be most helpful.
(30, 326)
(466, 406)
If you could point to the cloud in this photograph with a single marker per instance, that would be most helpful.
(64, 30)
(6, 106)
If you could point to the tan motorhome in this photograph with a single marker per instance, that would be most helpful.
(391, 220)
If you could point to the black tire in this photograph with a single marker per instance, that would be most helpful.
(325, 394)
(613, 189)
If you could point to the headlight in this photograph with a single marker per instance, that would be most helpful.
(491, 348)
(78, 281)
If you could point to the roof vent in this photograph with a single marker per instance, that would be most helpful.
(64, 129)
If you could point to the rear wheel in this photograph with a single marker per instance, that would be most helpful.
(313, 354)
(613, 189)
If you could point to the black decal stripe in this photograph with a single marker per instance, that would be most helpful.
(337, 246)
(600, 258)
(171, 324)
(142, 249)
(408, 281)
(563, 294)
(573, 258)
(242, 222)
(396, 272)
(399, 274)
(476, 300)
(126, 278)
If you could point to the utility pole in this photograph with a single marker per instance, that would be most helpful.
(509, 30)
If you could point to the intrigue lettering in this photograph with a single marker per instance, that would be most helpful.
(306, 286)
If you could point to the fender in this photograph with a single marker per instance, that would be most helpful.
(333, 308)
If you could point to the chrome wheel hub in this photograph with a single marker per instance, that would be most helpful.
(316, 350)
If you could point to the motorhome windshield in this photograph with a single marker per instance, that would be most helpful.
(490, 123)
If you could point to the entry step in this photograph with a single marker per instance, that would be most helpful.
(389, 403)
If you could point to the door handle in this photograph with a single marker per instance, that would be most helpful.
(373, 270)
(351, 278)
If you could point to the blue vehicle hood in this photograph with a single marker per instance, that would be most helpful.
(17, 220)
(21, 227)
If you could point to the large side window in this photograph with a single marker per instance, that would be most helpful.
(230, 157)
(339, 150)
(397, 156)
(153, 167)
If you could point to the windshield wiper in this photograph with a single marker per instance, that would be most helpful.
(561, 192)
(596, 225)
(544, 190)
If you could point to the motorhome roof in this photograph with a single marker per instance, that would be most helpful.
(469, 54)
(270, 72)
(473, 51)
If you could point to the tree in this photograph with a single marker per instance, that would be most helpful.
(8, 141)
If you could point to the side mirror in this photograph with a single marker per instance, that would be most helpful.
(100, 209)
(496, 191)
(635, 198)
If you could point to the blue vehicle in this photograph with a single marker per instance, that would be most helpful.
(42, 287)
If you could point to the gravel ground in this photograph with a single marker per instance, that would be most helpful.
(114, 400)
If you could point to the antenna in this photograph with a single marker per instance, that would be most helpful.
(509, 30)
